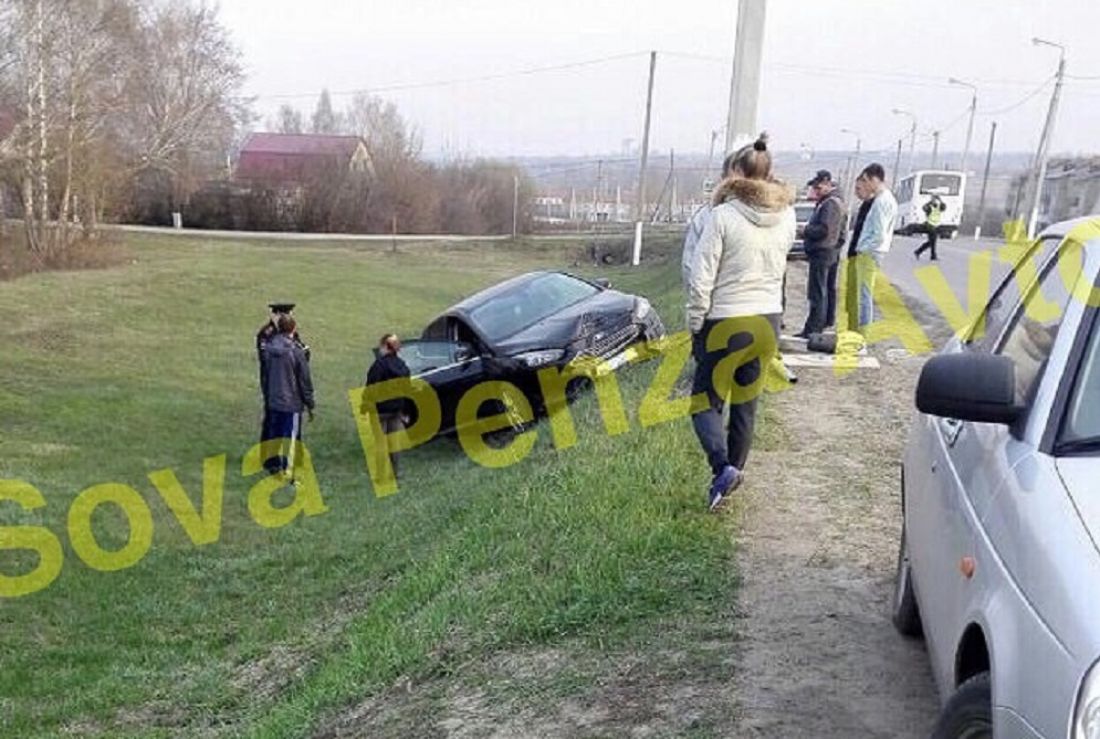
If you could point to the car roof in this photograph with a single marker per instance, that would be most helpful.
(1061, 230)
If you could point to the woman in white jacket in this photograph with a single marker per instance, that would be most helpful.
(735, 301)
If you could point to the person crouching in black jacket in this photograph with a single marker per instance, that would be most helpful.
(393, 413)
(823, 237)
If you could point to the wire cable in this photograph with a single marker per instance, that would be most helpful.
(1027, 98)
(460, 80)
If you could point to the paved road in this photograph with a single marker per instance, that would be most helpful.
(954, 257)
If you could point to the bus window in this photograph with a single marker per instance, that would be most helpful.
(905, 190)
(940, 184)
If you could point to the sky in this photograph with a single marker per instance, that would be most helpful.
(828, 65)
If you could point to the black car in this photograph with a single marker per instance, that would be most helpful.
(514, 329)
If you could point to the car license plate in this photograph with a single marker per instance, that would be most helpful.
(616, 361)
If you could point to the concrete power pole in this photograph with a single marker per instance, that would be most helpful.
(748, 53)
(935, 148)
(1044, 141)
(515, 207)
(985, 180)
(897, 166)
(639, 210)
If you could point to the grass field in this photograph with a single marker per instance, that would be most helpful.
(108, 375)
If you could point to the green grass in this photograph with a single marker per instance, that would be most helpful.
(111, 374)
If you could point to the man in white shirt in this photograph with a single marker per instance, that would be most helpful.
(872, 236)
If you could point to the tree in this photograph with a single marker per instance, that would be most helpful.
(288, 119)
(389, 138)
(325, 120)
(182, 94)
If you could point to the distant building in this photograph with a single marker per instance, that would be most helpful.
(1071, 190)
(287, 158)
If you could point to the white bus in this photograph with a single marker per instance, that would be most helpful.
(918, 188)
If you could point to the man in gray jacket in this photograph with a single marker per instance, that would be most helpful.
(288, 391)
(823, 238)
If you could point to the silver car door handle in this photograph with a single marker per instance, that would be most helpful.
(952, 427)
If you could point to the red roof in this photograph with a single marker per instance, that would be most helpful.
(292, 156)
(301, 143)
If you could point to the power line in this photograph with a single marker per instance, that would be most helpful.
(1022, 101)
(459, 80)
(885, 76)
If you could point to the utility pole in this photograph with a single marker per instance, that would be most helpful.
(640, 208)
(897, 166)
(515, 207)
(850, 176)
(1044, 142)
(710, 154)
(970, 125)
(748, 52)
(912, 135)
(935, 148)
(985, 180)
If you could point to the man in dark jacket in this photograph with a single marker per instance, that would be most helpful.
(823, 238)
(392, 413)
(288, 391)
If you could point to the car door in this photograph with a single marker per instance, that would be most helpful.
(450, 367)
(951, 477)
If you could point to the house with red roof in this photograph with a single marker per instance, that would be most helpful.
(291, 158)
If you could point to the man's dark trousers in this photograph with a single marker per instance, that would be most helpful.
(730, 446)
(287, 428)
(821, 292)
(830, 289)
(929, 243)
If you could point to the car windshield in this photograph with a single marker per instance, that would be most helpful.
(940, 184)
(528, 303)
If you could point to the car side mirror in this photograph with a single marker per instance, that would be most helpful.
(603, 282)
(980, 388)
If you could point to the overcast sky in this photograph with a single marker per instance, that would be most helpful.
(829, 64)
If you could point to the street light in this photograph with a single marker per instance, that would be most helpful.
(970, 126)
(912, 134)
(1048, 134)
(850, 175)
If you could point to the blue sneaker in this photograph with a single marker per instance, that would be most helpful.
(724, 483)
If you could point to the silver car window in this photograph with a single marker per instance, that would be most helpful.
(1030, 337)
(1006, 298)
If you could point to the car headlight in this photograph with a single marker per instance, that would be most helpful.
(641, 309)
(1086, 719)
(541, 358)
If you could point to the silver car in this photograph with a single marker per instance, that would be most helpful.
(999, 563)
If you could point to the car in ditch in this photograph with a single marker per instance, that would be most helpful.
(514, 329)
(999, 557)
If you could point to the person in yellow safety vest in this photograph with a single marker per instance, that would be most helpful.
(933, 215)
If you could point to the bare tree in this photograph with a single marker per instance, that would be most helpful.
(182, 92)
(325, 120)
(288, 119)
(378, 122)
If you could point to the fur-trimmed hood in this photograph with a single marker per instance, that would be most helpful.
(760, 201)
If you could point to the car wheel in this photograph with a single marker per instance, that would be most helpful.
(906, 616)
(969, 713)
(517, 425)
